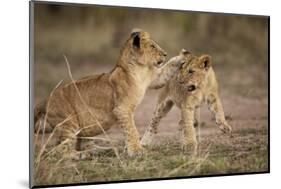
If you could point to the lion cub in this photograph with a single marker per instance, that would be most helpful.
(193, 82)
(109, 97)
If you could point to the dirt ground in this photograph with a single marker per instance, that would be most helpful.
(242, 113)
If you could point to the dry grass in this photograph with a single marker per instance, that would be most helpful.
(164, 160)
(43, 153)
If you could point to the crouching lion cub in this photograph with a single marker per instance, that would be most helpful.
(189, 82)
(110, 97)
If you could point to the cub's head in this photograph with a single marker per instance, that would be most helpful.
(193, 70)
(144, 51)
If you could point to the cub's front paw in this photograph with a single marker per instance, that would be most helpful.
(190, 147)
(135, 151)
(147, 139)
(84, 156)
(225, 127)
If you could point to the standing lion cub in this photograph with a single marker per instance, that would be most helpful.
(188, 82)
(110, 97)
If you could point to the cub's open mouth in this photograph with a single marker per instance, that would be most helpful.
(160, 63)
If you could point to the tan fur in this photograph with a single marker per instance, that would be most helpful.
(192, 72)
(166, 72)
(112, 97)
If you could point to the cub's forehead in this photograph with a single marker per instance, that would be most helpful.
(191, 60)
(149, 41)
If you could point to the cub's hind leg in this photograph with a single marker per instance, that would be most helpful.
(64, 139)
(162, 108)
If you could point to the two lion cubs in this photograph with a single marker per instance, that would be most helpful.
(108, 98)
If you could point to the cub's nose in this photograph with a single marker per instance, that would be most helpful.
(165, 54)
(191, 88)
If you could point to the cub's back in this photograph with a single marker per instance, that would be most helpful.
(95, 91)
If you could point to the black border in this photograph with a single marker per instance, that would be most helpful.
(31, 62)
(31, 114)
(268, 88)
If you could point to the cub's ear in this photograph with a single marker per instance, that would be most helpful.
(206, 61)
(184, 52)
(136, 39)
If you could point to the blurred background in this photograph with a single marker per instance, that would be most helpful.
(91, 37)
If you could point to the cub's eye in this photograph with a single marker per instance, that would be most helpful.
(152, 46)
(190, 71)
